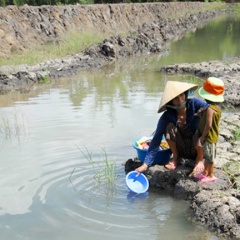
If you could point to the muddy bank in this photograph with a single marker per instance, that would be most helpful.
(28, 26)
(149, 26)
(215, 205)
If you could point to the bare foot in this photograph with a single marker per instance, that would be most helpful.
(171, 165)
(199, 167)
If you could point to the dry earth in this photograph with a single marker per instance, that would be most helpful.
(28, 26)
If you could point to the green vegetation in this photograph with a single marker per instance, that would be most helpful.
(232, 169)
(103, 169)
(236, 7)
(71, 42)
(104, 173)
(12, 125)
(4, 3)
(236, 134)
(45, 80)
(65, 2)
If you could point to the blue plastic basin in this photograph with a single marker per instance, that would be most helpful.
(137, 183)
(162, 157)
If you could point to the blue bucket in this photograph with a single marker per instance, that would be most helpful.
(162, 157)
(137, 183)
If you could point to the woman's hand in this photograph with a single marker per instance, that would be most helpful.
(143, 168)
(200, 142)
(201, 139)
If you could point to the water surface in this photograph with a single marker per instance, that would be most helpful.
(56, 139)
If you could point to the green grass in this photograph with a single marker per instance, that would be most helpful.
(72, 42)
(236, 7)
(232, 169)
(216, 5)
(45, 80)
(103, 170)
(13, 124)
(236, 134)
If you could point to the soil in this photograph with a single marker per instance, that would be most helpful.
(27, 26)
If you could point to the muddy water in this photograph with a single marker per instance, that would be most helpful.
(57, 140)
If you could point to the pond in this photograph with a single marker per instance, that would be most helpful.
(59, 141)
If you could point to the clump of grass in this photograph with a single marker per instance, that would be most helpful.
(236, 7)
(71, 42)
(104, 169)
(232, 169)
(45, 79)
(12, 124)
(236, 134)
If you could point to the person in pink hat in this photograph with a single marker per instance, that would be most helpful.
(208, 129)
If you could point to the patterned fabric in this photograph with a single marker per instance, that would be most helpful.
(209, 150)
(182, 135)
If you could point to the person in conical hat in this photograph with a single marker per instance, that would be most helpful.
(178, 123)
(207, 134)
(173, 89)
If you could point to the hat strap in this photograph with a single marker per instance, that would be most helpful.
(213, 88)
(177, 107)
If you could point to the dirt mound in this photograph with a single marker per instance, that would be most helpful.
(28, 26)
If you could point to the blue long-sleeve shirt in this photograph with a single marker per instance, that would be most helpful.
(170, 116)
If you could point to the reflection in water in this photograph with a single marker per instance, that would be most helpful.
(218, 40)
(49, 189)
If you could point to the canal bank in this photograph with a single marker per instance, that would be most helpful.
(148, 28)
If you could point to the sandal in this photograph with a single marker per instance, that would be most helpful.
(208, 179)
(199, 176)
(170, 166)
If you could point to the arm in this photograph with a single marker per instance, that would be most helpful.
(208, 125)
(193, 106)
(155, 143)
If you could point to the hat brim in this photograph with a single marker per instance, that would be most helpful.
(172, 90)
(209, 96)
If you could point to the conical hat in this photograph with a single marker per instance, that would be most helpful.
(172, 90)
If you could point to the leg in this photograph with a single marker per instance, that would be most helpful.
(210, 153)
(199, 167)
(206, 168)
(209, 167)
(210, 170)
(209, 174)
(199, 154)
(173, 163)
(171, 133)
